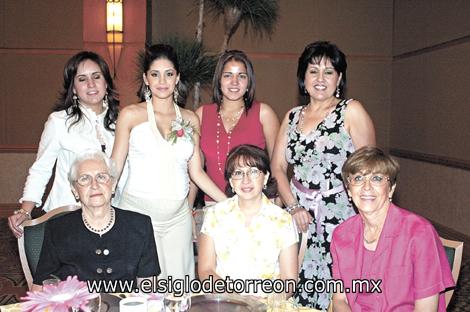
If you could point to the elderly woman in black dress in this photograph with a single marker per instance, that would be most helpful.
(97, 242)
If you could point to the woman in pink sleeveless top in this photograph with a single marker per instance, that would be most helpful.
(234, 117)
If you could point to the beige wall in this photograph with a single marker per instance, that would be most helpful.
(430, 108)
(33, 49)
(362, 29)
(407, 64)
(36, 40)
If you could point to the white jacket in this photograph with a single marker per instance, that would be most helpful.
(60, 145)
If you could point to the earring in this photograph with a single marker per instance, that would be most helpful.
(113, 193)
(265, 186)
(77, 198)
(337, 92)
(233, 191)
(147, 94)
(390, 198)
(349, 198)
(75, 100)
(105, 100)
(304, 91)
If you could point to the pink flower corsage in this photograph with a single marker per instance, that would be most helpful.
(180, 129)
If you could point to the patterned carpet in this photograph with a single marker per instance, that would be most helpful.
(13, 284)
(461, 300)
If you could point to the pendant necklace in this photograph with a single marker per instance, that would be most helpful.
(100, 136)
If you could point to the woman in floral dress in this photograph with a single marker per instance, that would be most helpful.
(316, 139)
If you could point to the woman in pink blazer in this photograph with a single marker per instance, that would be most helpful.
(395, 255)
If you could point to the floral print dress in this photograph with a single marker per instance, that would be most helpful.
(317, 159)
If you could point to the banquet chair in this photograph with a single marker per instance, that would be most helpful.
(30, 243)
(454, 250)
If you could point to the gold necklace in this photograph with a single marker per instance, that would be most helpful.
(106, 228)
(234, 118)
(327, 112)
(370, 241)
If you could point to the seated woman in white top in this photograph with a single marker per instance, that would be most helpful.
(247, 236)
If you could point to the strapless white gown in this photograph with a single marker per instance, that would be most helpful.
(158, 185)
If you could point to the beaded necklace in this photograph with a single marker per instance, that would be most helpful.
(103, 230)
(220, 124)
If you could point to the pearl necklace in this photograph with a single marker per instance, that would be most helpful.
(220, 124)
(103, 230)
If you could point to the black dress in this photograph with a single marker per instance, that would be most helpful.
(125, 252)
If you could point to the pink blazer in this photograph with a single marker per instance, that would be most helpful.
(409, 260)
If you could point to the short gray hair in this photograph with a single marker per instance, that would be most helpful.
(91, 155)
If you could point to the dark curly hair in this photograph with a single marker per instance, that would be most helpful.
(153, 53)
(65, 101)
(252, 156)
(313, 53)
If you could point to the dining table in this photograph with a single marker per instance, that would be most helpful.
(200, 302)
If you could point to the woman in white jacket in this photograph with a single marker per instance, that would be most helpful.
(84, 118)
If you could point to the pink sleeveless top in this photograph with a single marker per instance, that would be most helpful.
(248, 130)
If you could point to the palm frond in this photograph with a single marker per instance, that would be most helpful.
(196, 65)
(259, 15)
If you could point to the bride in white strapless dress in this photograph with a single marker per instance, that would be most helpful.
(160, 169)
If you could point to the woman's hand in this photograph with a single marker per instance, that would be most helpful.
(302, 219)
(15, 221)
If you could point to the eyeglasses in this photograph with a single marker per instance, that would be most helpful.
(86, 179)
(252, 173)
(374, 179)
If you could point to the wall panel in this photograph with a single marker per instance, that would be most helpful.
(436, 192)
(31, 85)
(420, 24)
(430, 94)
(47, 24)
(430, 109)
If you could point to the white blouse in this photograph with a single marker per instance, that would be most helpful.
(59, 146)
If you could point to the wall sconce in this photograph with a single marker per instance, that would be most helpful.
(114, 30)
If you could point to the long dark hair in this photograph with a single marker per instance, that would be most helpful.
(153, 53)
(65, 101)
(239, 56)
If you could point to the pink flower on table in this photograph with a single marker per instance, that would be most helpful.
(70, 293)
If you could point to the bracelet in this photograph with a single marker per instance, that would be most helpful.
(23, 211)
(291, 208)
